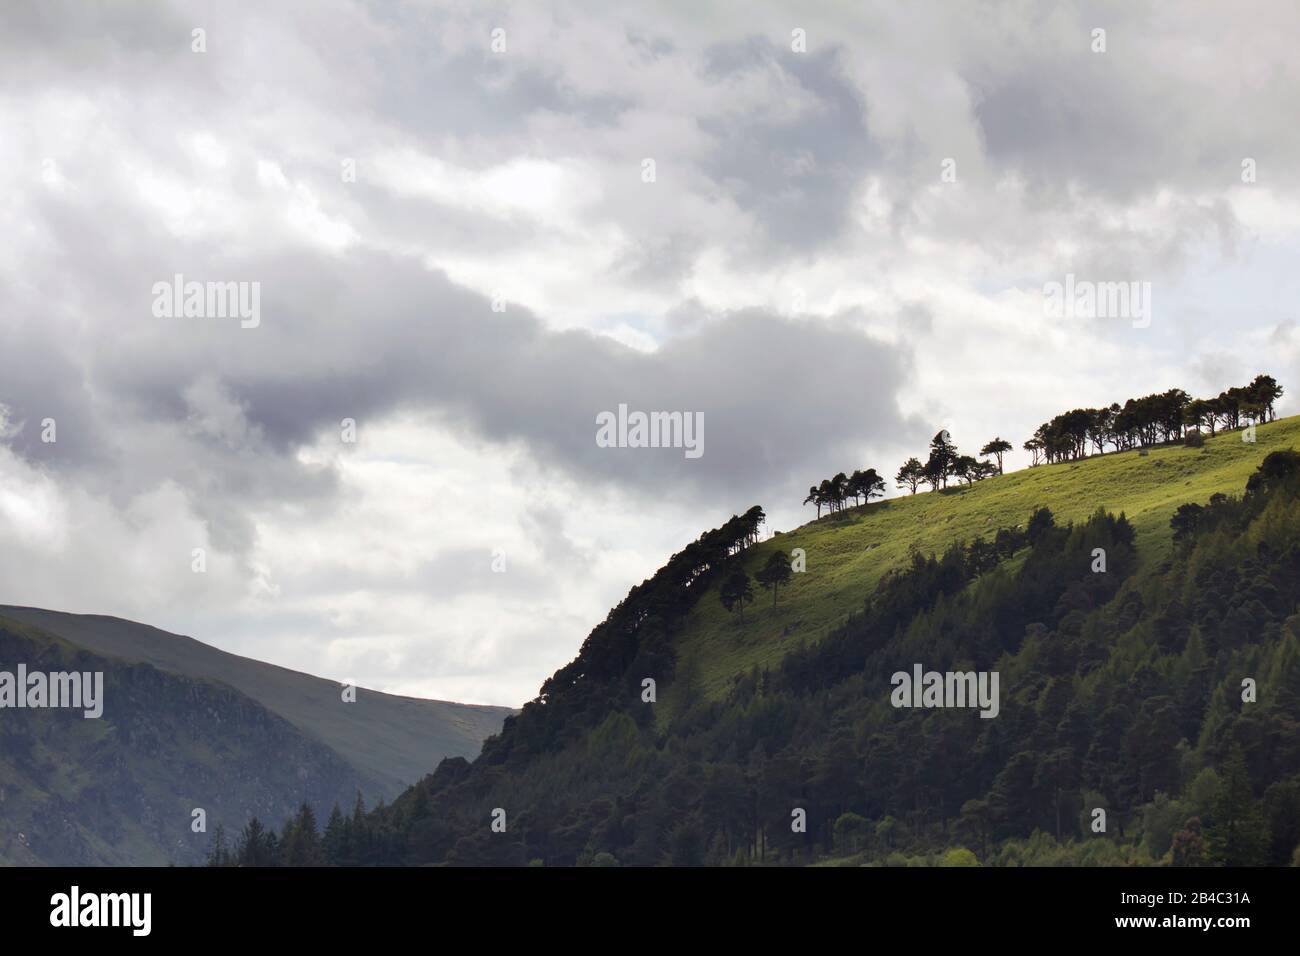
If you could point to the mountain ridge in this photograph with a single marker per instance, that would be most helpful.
(123, 788)
(188, 726)
(393, 739)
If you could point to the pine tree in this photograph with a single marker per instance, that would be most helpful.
(257, 845)
(1237, 836)
(219, 854)
(301, 844)
(335, 842)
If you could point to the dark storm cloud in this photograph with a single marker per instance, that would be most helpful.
(385, 335)
(367, 335)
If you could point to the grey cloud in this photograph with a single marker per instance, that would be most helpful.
(776, 394)
(368, 335)
(1142, 116)
(797, 175)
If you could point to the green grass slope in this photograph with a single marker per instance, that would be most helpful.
(849, 552)
(391, 740)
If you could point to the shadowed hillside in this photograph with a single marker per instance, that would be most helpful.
(188, 726)
(392, 741)
(121, 789)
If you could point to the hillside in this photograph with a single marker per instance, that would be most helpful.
(848, 553)
(186, 725)
(120, 790)
(1147, 711)
(390, 741)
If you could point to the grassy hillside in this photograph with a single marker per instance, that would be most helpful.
(1161, 692)
(392, 741)
(848, 553)
(1123, 692)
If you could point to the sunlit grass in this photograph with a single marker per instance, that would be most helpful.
(848, 553)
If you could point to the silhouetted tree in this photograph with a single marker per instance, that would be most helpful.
(814, 498)
(966, 468)
(997, 448)
(943, 455)
(1035, 448)
(910, 475)
(1264, 391)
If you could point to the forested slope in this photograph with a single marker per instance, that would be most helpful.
(1160, 690)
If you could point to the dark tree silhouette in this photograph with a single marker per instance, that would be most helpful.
(814, 498)
(911, 475)
(997, 448)
(873, 486)
(839, 489)
(943, 455)
(1035, 447)
(966, 468)
(1262, 393)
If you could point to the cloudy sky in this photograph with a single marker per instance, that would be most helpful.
(448, 211)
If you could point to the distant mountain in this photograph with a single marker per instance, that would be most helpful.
(188, 726)
(392, 740)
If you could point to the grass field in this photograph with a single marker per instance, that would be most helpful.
(848, 553)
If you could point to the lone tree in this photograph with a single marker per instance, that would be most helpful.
(910, 475)
(997, 448)
(775, 573)
(736, 590)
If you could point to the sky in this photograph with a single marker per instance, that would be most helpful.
(825, 229)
